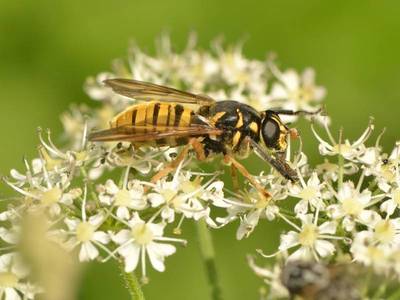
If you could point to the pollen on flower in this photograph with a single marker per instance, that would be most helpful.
(385, 231)
(387, 173)
(351, 206)
(308, 235)
(169, 194)
(189, 187)
(343, 149)
(308, 193)
(142, 234)
(51, 163)
(262, 202)
(84, 232)
(122, 198)
(51, 196)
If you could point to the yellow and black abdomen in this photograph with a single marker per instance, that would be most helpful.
(151, 116)
(154, 114)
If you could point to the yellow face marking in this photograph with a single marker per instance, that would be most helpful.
(240, 121)
(277, 119)
(236, 138)
(254, 127)
(185, 118)
(282, 137)
(282, 142)
(217, 116)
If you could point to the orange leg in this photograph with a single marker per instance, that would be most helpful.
(261, 190)
(198, 148)
(235, 181)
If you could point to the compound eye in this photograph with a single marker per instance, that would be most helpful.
(270, 132)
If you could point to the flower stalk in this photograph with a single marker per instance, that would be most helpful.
(131, 283)
(208, 256)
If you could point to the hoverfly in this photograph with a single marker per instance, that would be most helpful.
(171, 117)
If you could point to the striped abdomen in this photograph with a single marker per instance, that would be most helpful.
(160, 116)
(154, 114)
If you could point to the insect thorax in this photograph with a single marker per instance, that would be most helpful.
(238, 121)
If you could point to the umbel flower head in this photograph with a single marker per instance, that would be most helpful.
(101, 203)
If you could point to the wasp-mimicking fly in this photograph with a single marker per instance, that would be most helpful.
(171, 117)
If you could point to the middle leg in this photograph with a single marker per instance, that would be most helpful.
(261, 190)
(193, 143)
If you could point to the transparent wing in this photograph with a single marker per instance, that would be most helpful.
(147, 133)
(146, 91)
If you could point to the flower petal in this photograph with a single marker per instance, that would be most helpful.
(88, 252)
(132, 258)
(324, 248)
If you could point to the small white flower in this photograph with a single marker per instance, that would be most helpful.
(349, 151)
(84, 232)
(353, 206)
(187, 196)
(294, 91)
(50, 196)
(239, 71)
(386, 231)
(366, 251)
(309, 193)
(249, 209)
(312, 240)
(144, 238)
(131, 197)
(12, 283)
(389, 206)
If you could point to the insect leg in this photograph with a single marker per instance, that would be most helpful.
(261, 190)
(198, 148)
(235, 179)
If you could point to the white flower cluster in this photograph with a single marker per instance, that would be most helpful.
(100, 202)
(348, 210)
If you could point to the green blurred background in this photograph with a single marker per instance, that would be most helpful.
(48, 48)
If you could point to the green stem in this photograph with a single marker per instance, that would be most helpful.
(208, 254)
(380, 292)
(131, 283)
(341, 170)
